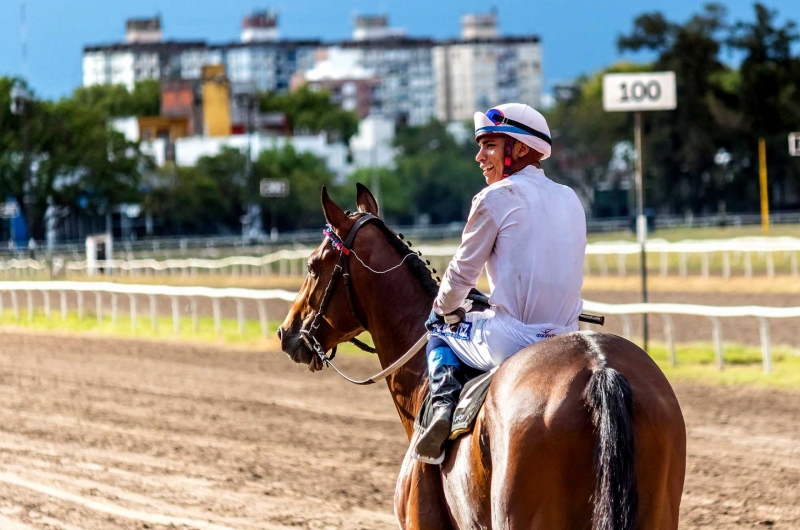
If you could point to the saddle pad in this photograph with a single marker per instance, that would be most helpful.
(469, 404)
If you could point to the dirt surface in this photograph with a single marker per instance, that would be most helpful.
(100, 434)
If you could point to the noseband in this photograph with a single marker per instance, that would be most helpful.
(342, 269)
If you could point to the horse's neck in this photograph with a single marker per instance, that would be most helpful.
(396, 322)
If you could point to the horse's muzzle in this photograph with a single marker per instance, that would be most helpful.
(293, 345)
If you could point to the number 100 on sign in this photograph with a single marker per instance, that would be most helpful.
(637, 92)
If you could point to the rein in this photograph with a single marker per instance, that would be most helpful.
(342, 270)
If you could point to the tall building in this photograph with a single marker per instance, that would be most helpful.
(402, 64)
(259, 61)
(481, 69)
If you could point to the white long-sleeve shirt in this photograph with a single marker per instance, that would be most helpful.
(531, 234)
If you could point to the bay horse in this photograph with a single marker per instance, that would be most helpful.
(579, 431)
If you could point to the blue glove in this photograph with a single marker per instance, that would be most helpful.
(433, 320)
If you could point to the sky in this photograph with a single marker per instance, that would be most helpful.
(578, 37)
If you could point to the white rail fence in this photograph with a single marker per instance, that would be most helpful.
(133, 293)
(725, 256)
(239, 296)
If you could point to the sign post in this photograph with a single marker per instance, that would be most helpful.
(794, 144)
(273, 189)
(638, 92)
(762, 185)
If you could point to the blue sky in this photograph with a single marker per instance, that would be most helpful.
(577, 36)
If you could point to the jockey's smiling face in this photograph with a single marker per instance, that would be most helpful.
(490, 157)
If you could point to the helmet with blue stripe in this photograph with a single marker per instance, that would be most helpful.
(519, 121)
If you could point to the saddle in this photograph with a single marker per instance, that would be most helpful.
(474, 392)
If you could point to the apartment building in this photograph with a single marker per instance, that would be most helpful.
(260, 60)
(482, 68)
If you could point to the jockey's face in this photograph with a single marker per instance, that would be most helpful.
(490, 157)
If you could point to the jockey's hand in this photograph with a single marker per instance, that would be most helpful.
(455, 317)
(433, 320)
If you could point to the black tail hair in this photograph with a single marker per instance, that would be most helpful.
(610, 401)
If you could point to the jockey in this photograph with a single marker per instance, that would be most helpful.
(530, 233)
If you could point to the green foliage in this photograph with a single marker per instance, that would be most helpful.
(311, 111)
(719, 108)
(306, 175)
(440, 174)
(210, 197)
(72, 156)
(117, 101)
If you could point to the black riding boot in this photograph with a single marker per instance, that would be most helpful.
(445, 389)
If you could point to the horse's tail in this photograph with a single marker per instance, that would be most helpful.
(610, 401)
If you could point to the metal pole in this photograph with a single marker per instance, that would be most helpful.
(641, 220)
(762, 179)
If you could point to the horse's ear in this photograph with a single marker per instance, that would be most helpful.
(333, 214)
(365, 200)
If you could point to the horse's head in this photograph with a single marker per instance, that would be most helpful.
(338, 321)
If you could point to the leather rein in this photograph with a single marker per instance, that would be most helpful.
(342, 270)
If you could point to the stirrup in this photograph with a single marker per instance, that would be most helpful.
(428, 460)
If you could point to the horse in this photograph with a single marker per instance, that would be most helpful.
(579, 431)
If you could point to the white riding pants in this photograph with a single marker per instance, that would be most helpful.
(485, 339)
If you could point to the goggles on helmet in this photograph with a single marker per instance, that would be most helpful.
(498, 117)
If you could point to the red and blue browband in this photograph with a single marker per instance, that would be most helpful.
(336, 243)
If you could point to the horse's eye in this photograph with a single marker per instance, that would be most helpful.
(311, 271)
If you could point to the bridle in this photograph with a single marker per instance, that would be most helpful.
(342, 270)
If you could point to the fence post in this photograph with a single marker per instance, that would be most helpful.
(770, 265)
(262, 317)
(705, 265)
(29, 295)
(63, 299)
(114, 309)
(217, 316)
(726, 265)
(176, 316)
(626, 326)
(717, 336)
(98, 302)
(132, 298)
(793, 260)
(621, 265)
(46, 295)
(240, 315)
(195, 324)
(601, 260)
(664, 264)
(766, 353)
(748, 265)
(2, 307)
(153, 314)
(669, 338)
(80, 305)
(684, 264)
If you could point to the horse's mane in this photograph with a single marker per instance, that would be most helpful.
(417, 264)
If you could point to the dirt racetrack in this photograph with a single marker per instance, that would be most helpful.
(100, 434)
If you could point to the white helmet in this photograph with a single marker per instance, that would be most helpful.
(518, 121)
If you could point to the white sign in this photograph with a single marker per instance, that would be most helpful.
(794, 144)
(9, 210)
(274, 187)
(635, 92)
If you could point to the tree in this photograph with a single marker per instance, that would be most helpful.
(440, 173)
(312, 111)
(680, 144)
(306, 175)
(63, 153)
(585, 136)
(188, 201)
(768, 103)
(117, 101)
